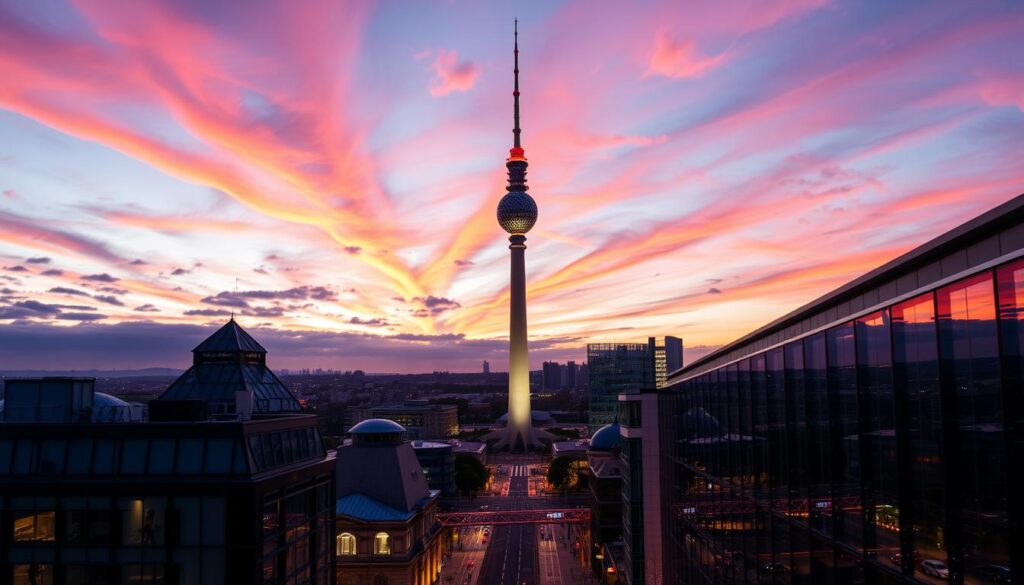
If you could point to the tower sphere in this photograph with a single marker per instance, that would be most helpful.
(517, 212)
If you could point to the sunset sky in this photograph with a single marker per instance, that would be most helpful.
(329, 171)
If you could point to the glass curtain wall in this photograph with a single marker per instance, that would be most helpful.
(875, 451)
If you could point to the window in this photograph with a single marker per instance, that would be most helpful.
(346, 544)
(143, 521)
(87, 527)
(33, 526)
(33, 574)
(968, 349)
(190, 456)
(161, 456)
(381, 546)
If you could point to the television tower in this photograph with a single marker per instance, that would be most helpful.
(517, 212)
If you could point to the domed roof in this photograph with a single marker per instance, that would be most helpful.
(101, 400)
(697, 423)
(517, 212)
(376, 426)
(606, 438)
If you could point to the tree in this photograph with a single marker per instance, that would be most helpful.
(567, 473)
(470, 474)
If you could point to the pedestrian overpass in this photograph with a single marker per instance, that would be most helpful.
(504, 517)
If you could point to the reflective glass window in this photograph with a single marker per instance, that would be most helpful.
(916, 374)
(51, 456)
(79, 456)
(218, 456)
(133, 456)
(6, 455)
(968, 348)
(143, 521)
(103, 456)
(842, 388)
(190, 456)
(161, 456)
(878, 433)
(33, 574)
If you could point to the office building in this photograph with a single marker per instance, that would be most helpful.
(572, 371)
(387, 531)
(875, 435)
(552, 376)
(487, 367)
(615, 368)
(421, 419)
(673, 354)
(438, 463)
(667, 357)
(240, 492)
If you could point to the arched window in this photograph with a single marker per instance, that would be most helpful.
(381, 544)
(345, 544)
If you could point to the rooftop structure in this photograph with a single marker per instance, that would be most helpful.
(228, 366)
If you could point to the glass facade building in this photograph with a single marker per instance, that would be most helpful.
(613, 369)
(873, 436)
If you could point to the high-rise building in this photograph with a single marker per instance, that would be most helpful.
(572, 371)
(615, 368)
(517, 212)
(552, 376)
(673, 353)
(225, 483)
(874, 435)
(487, 367)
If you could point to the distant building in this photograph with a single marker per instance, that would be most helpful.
(386, 530)
(673, 354)
(552, 376)
(438, 462)
(571, 373)
(667, 357)
(487, 367)
(222, 494)
(421, 419)
(615, 368)
(478, 450)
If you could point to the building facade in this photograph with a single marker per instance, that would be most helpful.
(183, 498)
(613, 369)
(438, 462)
(875, 435)
(386, 530)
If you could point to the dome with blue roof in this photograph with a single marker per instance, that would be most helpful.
(376, 426)
(606, 438)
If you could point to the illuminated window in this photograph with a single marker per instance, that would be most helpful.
(346, 544)
(381, 545)
(33, 574)
(33, 526)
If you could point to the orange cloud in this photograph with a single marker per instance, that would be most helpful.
(679, 59)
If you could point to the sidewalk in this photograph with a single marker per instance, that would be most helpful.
(559, 563)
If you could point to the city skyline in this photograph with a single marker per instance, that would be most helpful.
(331, 175)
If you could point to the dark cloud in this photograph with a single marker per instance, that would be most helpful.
(261, 270)
(375, 322)
(80, 316)
(52, 272)
(63, 290)
(109, 299)
(147, 308)
(461, 262)
(179, 271)
(138, 262)
(113, 290)
(272, 257)
(352, 249)
(240, 299)
(16, 268)
(434, 305)
(103, 277)
(207, 313)
(263, 311)
(714, 291)
(35, 345)
(38, 260)
(38, 307)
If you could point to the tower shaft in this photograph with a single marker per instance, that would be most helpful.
(520, 425)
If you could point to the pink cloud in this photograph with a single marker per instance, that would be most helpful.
(679, 59)
(450, 74)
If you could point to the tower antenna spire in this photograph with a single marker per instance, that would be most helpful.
(515, 93)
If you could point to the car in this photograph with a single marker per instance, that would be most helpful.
(935, 568)
(484, 508)
(995, 573)
(897, 558)
(471, 563)
(774, 569)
